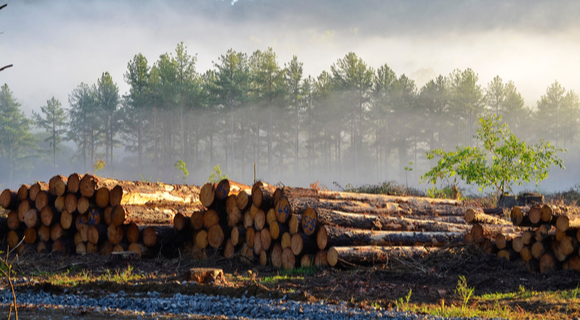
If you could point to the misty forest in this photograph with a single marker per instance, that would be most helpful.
(349, 124)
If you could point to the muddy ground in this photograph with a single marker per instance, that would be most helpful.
(430, 278)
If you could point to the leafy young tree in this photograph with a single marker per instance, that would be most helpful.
(16, 143)
(502, 160)
(52, 120)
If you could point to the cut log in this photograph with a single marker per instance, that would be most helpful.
(487, 231)
(565, 222)
(12, 221)
(547, 263)
(526, 253)
(276, 255)
(356, 237)
(253, 211)
(32, 218)
(207, 194)
(371, 255)
(520, 216)
(277, 229)
(210, 219)
(70, 202)
(248, 220)
(115, 234)
(527, 237)
(507, 254)
(73, 183)
(263, 258)
(35, 189)
(216, 235)
(257, 247)
(196, 220)
(87, 186)
(97, 233)
(307, 260)
(59, 203)
(140, 193)
(271, 216)
(48, 215)
(30, 235)
(243, 201)
(294, 223)
(535, 214)
(56, 232)
(102, 197)
(517, 244)
(179, 222)
(23, 207)
(23, 192)
(200, 239)
(61, 246)
(476, 215)
(222, 189)
(259, 220)
(8, 199)
(380, 222)
(501, 241)
(66, 219)
(250, 235)
(43, 233)
(266, 239)
(321, 238)
(234, 217)
(568, 245)
(12, 239)
(309, 220)
(92, 248)
(262, 195)
(282, 209)
(133, 233)
(57, 185)
(81, 249)
(118, 215)
(43, 199)
(320, 259)
(150, 236)
(285, 241)
(288, 259)
(83, 205)
(231, 203)
(543, 231)
(238, 235)
(301, 243)
(229, 250)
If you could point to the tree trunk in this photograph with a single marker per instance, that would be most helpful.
(476, 215)
(370, 255)
(381, 222)
(356, 237)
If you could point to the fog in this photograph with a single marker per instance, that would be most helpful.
(56, 45)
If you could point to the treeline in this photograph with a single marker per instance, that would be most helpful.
(352, 123)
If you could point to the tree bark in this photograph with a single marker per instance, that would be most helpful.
(356, 237)
(370, 255)
(476, 215)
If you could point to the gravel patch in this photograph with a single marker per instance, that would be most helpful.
(152, 303)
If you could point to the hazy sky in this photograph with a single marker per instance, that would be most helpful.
(55, 45)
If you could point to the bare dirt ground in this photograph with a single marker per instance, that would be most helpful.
(431, 279)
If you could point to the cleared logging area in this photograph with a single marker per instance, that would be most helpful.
(283, 227)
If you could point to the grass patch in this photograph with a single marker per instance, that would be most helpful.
(73, 279)
(520, 304)
(289, 275)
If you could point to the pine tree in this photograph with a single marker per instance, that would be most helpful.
(52, 120)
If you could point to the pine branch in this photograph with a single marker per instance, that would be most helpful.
(5, 67)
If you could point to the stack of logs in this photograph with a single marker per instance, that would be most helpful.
(544, 237)
(89, 214)
(288, 227)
